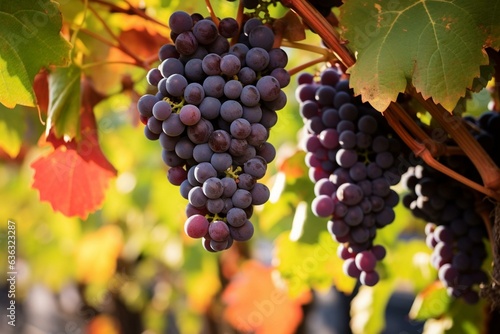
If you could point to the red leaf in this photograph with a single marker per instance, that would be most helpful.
(75, 176)
(142, 42)
(257, 304)
(73, 184)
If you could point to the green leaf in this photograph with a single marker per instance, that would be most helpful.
(468, 319)
(12, 128)
(417, 268)
(30, 39)
(430, 303)
(461, 318)
(368, 307)
(435, 45)
(65, 101)
(307, 266)
(478, 103)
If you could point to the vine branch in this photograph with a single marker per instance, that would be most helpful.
(455, 126)
(131, 10)
(212, 12)
(422, 151)
(120, 45)
(310, 63)
(323, 28)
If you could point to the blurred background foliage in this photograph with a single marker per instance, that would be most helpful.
(129, 268)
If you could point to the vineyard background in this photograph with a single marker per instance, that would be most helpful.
(109, 255)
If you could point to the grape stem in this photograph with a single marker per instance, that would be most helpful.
(131, 10)
(420, 135)
(306, 47)
(310, 63)
(455, 126)
(120, 45)
(239, 19)
(423, 151)
(211, 11)
(106, 62)
(322, 27)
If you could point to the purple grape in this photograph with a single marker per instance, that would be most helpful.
(180, 22)
(322, 206)
(218, 230)
(242, 233)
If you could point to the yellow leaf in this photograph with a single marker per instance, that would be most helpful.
(96, 255)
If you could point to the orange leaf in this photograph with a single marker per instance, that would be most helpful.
(95, 258)
(73, 184)
(292, 164)
(74, 177)
(102, 324)
(140, 42)
(255, 303)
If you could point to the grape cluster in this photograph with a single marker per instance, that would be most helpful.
(352, 156)
(325, 6)
(486, 130)
(253, 4)
(454, 230)
(212, 114)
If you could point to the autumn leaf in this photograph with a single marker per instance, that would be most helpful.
(140, 42)
(255, 303)
(293, 165)
(95, 256)
(74, 177)
(72, 184)
(102, 324)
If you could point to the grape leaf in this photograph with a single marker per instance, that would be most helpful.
(307, 266)
(140, 41)
(468, 318)
(435, 45)
(432, 302)
(74, 177)
(460, 318)
(64, 102)
(255, 303)
(71, 183)
(368, 307)
(30, 39)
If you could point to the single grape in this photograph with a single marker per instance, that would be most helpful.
(218, 230)
(189, 114)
